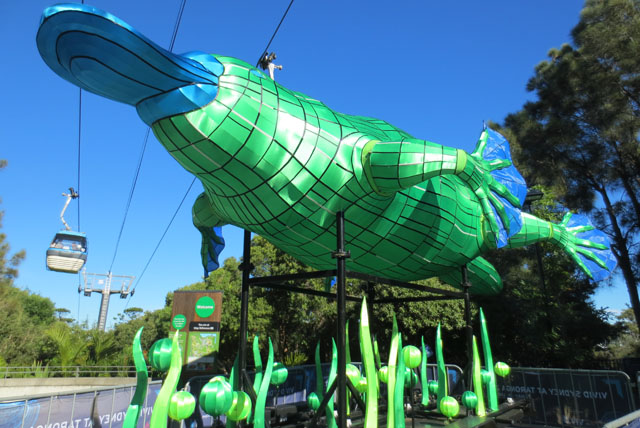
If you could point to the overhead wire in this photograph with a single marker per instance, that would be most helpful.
(78, 180)
(160, 241)
(79, 148)
(275, 32)
(144, 146)
(175, 32)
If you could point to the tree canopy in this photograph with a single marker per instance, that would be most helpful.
(580, 136)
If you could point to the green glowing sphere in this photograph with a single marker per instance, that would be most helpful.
(449, 407)
(412, 356)
(216, 396)
(502, 369)
(469, 399)
(313, 401)
(383, 374)
(160, 354)
(486, 376)
(279, 374)
(240, 406)
(361, 386)
(353, 373)
(182, 405)
(410, 378)
(433, 387)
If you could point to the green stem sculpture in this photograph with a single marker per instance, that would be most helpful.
(492, 389)
(257, 380)
(319, 378)
(333, 373)
(366, 347)
(376, 353)
(261, 401)
(142, 380)
(391, 374)
(160, 410)
(348, 361)
(424, 379)
(477, 380)
(398, 393)
(233, 380)
(442, 371)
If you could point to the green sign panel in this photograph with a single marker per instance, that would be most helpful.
(179, 321)
(205, 306)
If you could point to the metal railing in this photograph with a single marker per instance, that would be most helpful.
(105, 407)
(569, 397)
(9, 372)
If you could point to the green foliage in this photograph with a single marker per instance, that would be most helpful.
(295, 359)
(156, 326)
(39, 309)
(416, 319)
(70, 344)
(580, 136)
(628, 343)
(24, 316)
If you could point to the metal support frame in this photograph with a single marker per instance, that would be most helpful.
(245, 267)
(341, 256)
(90, 279)
(466, 285)
(341, 382)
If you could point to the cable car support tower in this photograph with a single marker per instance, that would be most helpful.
(106, 284)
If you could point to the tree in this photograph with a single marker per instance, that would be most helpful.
(156, 326)
(62, 313)
(628, 343)
(23, 315)
(580, 137)
(133, 313)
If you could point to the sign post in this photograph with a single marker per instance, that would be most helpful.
(197, 315)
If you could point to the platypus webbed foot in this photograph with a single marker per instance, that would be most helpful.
(591, 251)
(500, 188)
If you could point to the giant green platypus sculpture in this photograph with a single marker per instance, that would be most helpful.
(281, 164)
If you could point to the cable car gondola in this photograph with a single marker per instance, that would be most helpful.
(67, 252)
(68, 249)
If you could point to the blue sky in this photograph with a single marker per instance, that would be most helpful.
(435, 69)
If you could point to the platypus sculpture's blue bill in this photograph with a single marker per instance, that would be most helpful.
(281, 164)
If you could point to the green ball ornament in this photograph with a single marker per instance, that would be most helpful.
(486, 376)
(469, 399)
(182, 405)
(313, 401)
(383, 374)
(412, 356)
(160, 354)
(410, 378)
(240, 406)
(502, 369)
(279, 374)
(216, 396)
(353, 373)
(433, 387)
(449, 407)
(361, 386)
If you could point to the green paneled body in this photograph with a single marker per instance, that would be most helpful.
(311, 168)
(282, 164)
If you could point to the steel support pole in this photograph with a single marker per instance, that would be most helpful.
(245, 267)
(468, 327)
(341, 255)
